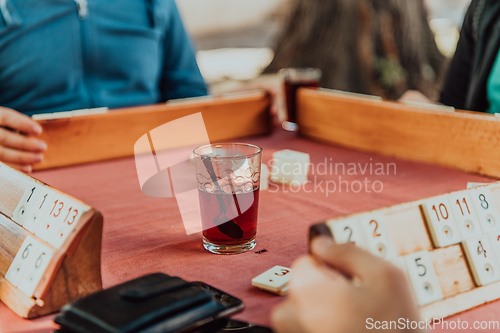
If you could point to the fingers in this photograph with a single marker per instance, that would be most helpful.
(18, 147)
(415, 96)
(318, 294)
(23, 168)
(21, 142)
(19, 157)
(284, 319)
(347, 258)
(19, 122)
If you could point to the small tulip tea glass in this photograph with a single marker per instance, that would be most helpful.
(293, 79)
(228, 177)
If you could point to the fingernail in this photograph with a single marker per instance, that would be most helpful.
(322, 243)
(319, 229)
(37, 129)
(41, 145)
(39, 157)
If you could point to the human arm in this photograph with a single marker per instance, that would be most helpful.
(19, 145)
(339, 287)
(458, 79)
(181, 77)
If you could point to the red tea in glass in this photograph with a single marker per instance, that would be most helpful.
(228, 177)
(240, 229)
(293, 79)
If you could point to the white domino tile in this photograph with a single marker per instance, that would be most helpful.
(26, 203)
(35, 270)
(290, 167)
(378, 240)
(22, 259)
(486, 209)
(423, 278)
(274, 280)
(465, 214)
(347, 231)
(52, 216)
(39, 208)
(482, 260)
(67, 223)
(441, 221)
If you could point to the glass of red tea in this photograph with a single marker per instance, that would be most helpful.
(293, 79)
(228, 177)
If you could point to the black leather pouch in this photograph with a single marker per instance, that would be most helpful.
(150, 304)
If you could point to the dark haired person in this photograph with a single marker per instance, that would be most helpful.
(73, 54)
(473, 79)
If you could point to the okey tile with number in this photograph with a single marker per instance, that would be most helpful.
(274, 280)
(441, 221)
(39, 208)
(35, 270)
(423, 278)
(71, 214)
(465, 213)
(347, 231)
(486, 209)
(376, 235)
(25, 205)
(22, 259)
(482, 260)
(51, 219)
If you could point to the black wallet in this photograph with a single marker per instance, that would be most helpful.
(150, 304)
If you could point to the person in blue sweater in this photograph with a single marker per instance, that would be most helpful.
(61, 55)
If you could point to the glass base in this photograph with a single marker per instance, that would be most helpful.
(228, 249)
(289, 126)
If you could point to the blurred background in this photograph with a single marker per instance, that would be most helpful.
(379, 47)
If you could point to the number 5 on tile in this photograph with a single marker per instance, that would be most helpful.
(423, 278)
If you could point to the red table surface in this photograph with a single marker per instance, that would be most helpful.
(144, 235)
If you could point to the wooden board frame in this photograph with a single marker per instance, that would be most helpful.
(462, 140)
(96, 137)
(73, 272)
(408, 230)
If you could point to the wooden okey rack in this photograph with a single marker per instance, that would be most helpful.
(452, 262)
(50, 246)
